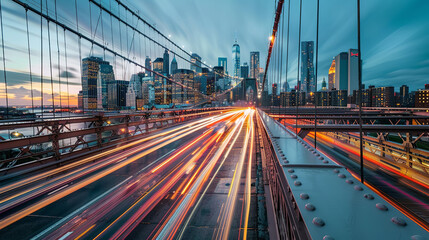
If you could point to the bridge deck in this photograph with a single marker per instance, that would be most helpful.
(336, 199)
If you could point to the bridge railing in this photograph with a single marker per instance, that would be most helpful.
(46, 140)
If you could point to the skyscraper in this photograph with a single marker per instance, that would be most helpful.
(196, 63)
(331, 76)
(404, 96)
(324, 85)
(117, 94)
(274, 89)
(223, 62)
(180, 94)
(353, 71)
(105, 76)
(244, 71)
(173, 65)
(341, 71)
(308, 83)
(90, 70)
(148, 65)
(166, 64)
(236, 58)
(254, 65)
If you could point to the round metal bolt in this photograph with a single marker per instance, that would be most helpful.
(341, 175)
(358, 188)
(368, 196)
(318, 222)
(281, 151)
(293, 176)
(325, 161)
(291, 170)
(317, 154)
(297, 183)
(417, 237)
(310, 207)
(349, 181)
(327, 237)
(381, 206)
(399, 221)
(286, 161)
(321, 158)
(336, 171)
(304, 196)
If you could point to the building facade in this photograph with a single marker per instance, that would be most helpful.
(254, 65)
(236, 58)
(341, 71)
(307, 82)
(196, 63)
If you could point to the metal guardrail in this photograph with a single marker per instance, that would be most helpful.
(57, 139)
(290, 223)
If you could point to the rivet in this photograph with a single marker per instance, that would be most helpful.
(310, 207)
(293, 176)
(317, 154)
(291, 170)
(417, 237)
(304, 196)
(318, 222)
(368, 196)
(325, 161)
(381, 206)
(341, 175)
(399, 221)
(349, 181)
(327, 237)
(286, 161)
(297, 183)
(336, 171)
(358, 188)
(321, 158)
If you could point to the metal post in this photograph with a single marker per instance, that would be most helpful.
(360, 93)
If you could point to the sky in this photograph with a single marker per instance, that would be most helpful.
(394, 40)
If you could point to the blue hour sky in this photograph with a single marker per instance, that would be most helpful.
(395, 39)
(395, 36)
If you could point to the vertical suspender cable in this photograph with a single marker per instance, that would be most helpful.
(281, 58)
(80, 59)
(41, 57)
(50, 62)
(317, 67)
(360, 93)
(58, 52)
(287, 43)
(29, 64)
(29, 60)
(67, 71)
(4, 61)
(298, 90)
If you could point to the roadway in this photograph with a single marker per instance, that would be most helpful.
(191, 181)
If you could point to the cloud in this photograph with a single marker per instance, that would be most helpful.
(65, 74)
(22, 78)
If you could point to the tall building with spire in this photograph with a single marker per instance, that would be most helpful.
(166, 64)
(236, 58)
(324, 85)
(331, 76)
(173, 65)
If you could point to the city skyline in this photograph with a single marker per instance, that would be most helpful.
(397, 46)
